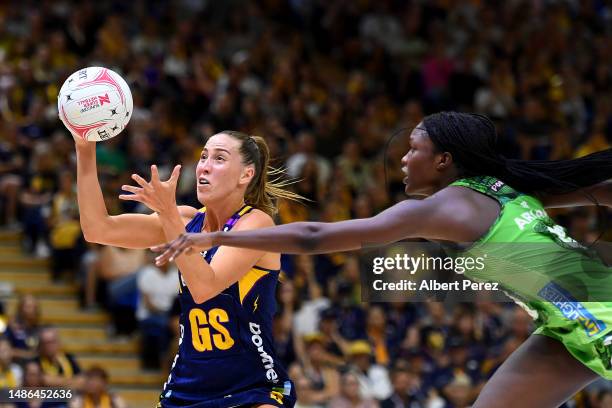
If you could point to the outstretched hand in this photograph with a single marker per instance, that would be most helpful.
(185, 243)
(160, 196)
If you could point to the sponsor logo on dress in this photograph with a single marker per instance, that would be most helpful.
(571, 308)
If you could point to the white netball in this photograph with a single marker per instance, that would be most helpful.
(95, 103)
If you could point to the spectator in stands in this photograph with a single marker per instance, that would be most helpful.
(334, 344)
(156, 293)
(459, 392)
(35, 200)
(306, 150)
(351, 395)
(307, 395)
(59, 369)
(282, 325)
(11, 165)
(96, 393)
(11, 374)
(407, 392)
(380, 335)
(116, 269)
(23, 329)
(373, 379)
(322, 375)
(33, 378)
(455, 361)
(65, 236)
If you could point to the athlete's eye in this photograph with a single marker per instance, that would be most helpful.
(220, 158)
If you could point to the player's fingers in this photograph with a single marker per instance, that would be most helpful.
(131, 189)
(141, 182)
(159, 248)
(176, 172)
(178, 248)
(167, 256)
(162, 259)
(131, 197)
(168, 249)
(154, 175)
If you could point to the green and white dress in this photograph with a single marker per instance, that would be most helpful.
(563, 285)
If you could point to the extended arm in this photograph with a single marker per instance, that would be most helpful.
(441, 216)
(125, 230)
(407, 219)
(228, 266)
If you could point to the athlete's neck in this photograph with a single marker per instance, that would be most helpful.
(217, 214)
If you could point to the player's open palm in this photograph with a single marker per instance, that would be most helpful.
(160, 196)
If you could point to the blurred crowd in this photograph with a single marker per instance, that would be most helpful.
(32, 356)
(325, 83)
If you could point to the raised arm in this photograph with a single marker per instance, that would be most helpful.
(602, 192)
(125, 230)
(441, 216)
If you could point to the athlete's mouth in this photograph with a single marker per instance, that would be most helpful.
(203, 181)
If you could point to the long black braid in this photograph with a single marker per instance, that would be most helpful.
(472, 141)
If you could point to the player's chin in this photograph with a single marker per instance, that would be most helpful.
(408, 187)
(203, 196)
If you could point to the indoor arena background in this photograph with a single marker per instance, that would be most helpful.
(325, 83)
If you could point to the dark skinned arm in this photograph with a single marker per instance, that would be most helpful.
(441, 216)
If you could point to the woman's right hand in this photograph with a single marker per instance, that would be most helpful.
(184, 243)
(79, 141)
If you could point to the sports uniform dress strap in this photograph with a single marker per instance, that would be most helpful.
(489, 186)
(229, 224)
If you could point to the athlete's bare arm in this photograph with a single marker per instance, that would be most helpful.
(125, 230)
(449, 215)
(229, 264)
(601, 192)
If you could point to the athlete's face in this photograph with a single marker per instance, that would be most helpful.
(220, 171)
(420, 163)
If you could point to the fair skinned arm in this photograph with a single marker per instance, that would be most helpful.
(229, 264)
(125, 230)
(227, 267)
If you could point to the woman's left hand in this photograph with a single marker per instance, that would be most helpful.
(160, 196)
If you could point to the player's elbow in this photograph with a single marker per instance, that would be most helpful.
(98, 232)
(310, 238)
(90, 234)
(201, 292)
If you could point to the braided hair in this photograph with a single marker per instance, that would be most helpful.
(471, 139)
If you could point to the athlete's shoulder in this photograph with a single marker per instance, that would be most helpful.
(254, 219)
(187, 211)
(451, 195)
(459, 203)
